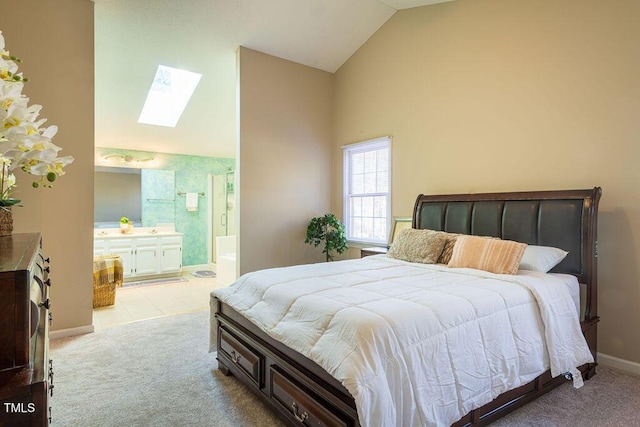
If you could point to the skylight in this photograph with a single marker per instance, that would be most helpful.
(169, 94)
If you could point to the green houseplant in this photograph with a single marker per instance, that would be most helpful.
(329, 230)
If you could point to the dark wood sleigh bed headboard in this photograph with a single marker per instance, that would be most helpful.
(562, 219)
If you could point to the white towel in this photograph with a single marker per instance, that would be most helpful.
(192, 201)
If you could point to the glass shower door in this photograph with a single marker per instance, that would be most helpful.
(223, 219)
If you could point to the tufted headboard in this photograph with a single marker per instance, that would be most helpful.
(562, 219)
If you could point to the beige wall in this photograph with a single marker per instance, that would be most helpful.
(502, 95)
(283, 157)
(54, 38)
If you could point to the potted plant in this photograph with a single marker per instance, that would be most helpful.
(125, 225)
(329, 230)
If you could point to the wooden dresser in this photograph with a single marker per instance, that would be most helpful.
(26, 372)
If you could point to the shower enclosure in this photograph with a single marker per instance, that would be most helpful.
(223, 209)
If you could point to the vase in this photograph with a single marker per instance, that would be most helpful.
(6, 221)
(126, 228)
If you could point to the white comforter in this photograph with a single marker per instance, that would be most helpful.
(416, 344)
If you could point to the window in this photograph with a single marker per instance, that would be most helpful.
(170, 92)
(367, 190)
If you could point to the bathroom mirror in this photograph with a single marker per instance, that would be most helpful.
(145, 196)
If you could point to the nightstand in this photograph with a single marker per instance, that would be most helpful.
(374, 250)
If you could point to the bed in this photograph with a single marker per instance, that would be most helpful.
(287, 360)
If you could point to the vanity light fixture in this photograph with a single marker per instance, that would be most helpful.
(170, 92)
(120, 158)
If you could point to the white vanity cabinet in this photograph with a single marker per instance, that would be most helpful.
(122, 247)
(146, 256)
(171, 256)
(99, 247)
(143, 255)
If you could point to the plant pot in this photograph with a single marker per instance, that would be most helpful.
(6, 221)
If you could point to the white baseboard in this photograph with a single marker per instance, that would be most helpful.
(63, 333)
(621, 364)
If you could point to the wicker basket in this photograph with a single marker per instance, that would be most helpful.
(107, 275)
(104, 295)
(6, 221)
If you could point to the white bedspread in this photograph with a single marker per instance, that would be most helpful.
(416, 344)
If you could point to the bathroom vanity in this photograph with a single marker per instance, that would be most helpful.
(146, 252)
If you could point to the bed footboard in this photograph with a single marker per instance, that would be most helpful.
(299, 390)
(296, 388)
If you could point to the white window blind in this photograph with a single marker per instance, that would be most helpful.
(367, 190)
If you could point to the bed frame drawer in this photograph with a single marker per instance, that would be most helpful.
(248, 360)
(303, 405)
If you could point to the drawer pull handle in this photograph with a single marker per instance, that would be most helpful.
(300, 417)
(46, 304)
(49, 414)
(50, 318)
(235, 357)
(51, 386)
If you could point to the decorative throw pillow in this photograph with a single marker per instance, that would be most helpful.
(447, 251)
(541, 258)
(414, 245)
(493, 255)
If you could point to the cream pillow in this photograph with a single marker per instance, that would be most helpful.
(415, 245)
(493, 255)
(541, 258)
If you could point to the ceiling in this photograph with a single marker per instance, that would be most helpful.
(132, 37)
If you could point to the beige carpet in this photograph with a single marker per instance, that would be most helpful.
(158, 373)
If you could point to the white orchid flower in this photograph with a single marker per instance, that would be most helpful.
(42, 155)
(8, 183)
(24, 142)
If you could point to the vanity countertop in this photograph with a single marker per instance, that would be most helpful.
(115, 233)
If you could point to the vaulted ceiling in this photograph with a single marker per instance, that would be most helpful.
(133, 37)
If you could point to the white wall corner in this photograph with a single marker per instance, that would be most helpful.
(621, 364)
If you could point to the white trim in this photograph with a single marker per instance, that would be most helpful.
(210, 218)
(624, 365)
(382, 139)
(71, 332)
(384, 142)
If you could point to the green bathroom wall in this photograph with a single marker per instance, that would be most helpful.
(161, 202)
(158, 187)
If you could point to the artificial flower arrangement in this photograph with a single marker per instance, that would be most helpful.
(24, 144)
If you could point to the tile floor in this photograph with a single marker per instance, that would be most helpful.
(147, 302)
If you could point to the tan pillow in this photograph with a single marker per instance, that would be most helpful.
(414, 245)
(493, 255)
(447, 251)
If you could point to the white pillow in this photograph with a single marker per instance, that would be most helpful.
(541, 258)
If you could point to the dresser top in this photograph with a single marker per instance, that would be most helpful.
(16, 251)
